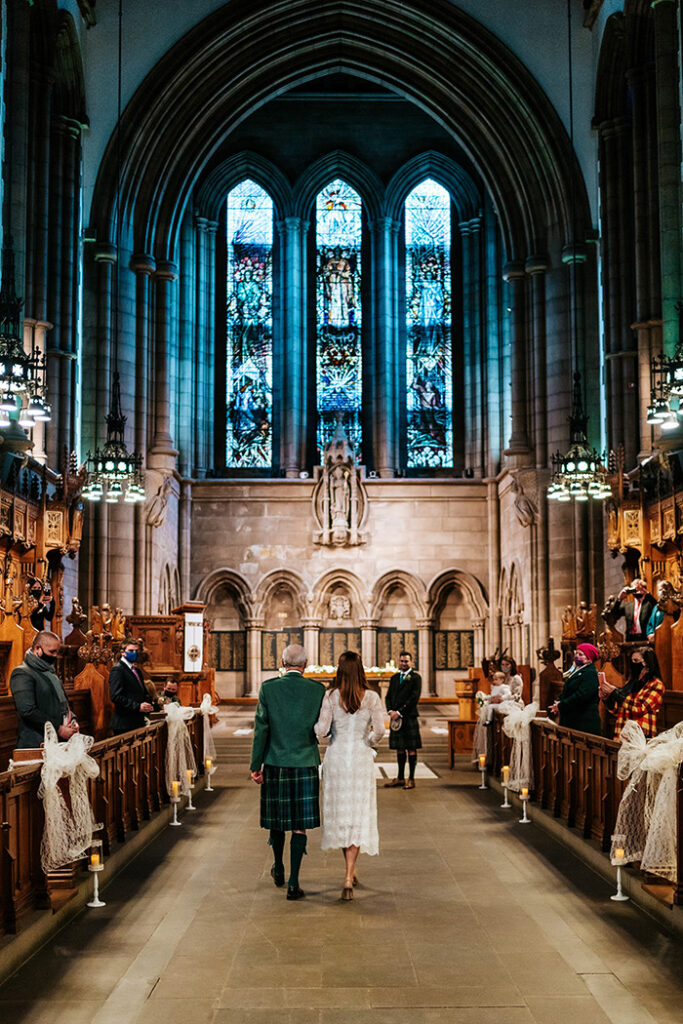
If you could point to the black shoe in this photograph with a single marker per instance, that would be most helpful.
(295, 893)
(278, 876)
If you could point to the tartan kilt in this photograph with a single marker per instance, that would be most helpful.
(407, 737)
(290, 798)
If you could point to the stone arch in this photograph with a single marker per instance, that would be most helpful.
(281, 579)
(219, 181)
(465, 195)
(466, 583)
(325, 583)
(338, 165)
(233, 582)
(413, 586)
(69, 83)
(212, 79)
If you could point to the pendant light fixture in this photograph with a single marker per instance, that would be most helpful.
(579, 474)
(113, 472)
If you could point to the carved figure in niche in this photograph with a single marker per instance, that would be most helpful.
(340, 607)
(157, 508)
(586, 619)
(339, 500)
(118, 625)
(568, 624)
(526, 509)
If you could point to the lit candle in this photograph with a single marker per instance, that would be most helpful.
(525, 791)
(175, 786)
(189, 776)
(619, 853)
(209, 763)
(95, 859)
(482, 761)
(506, 772)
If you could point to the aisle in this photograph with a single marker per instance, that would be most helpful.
(463, 918)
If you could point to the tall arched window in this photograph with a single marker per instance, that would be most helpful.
(429, 369)
(338, 313)
(249, 327)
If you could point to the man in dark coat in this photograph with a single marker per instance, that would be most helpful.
(402, 700)
(38, 694)
(636, 612)
(128, 692)
(579, 703)
(284, 762)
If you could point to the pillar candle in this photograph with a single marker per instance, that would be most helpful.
(95, 859)
(482, 761)
(619, 853)
(525, 790)
(175, 786)
(209, 763)
(506, 773)
(189, 776)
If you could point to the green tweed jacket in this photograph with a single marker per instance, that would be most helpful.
(287, 711)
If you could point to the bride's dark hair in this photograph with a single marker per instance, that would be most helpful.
(350, 681)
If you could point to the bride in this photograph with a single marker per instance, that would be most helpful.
(355, 717)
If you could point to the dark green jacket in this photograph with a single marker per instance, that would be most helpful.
(287, 711)
(579, 701)
(39, 698)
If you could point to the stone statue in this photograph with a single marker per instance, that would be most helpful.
(568, 624)
(340, 607)
(526, 509)
(118, 625)
(339, 500)
(158, 505)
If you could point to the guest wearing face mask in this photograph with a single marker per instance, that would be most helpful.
(38, 694)
(641, 698)
(128, 692)
(579, 703)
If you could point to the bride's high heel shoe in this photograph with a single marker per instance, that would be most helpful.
(347, 891)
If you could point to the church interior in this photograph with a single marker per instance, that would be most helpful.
(354, 326)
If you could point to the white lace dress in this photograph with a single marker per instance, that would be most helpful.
(349, 790)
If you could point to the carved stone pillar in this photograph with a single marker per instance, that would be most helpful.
(252, 683)
(311, 628)
(292, 354)
(470, 232)
(518, 446)
(492, 504)
(205, 247)
(425, 648)
(105, 258)
(143, 267)
(368, 641)
(479, 627)
(385, 372)
(162, 455)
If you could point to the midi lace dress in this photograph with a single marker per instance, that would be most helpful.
(349, 790)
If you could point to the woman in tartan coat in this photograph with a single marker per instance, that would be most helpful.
(284, 762)
(641, 698)
(402, 699)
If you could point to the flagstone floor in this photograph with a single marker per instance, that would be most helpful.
(464, 917)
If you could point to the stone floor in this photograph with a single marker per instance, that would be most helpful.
(464, 917)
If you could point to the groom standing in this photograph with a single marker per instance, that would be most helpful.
(284, 761)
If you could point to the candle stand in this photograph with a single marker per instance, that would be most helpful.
(524, 820)
(209, 772)
(506, 802)
(95, 901)
(618, 859)
(482, 769)
(619, 895)
(175, 800)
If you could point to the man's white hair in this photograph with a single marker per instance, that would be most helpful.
(294, 656)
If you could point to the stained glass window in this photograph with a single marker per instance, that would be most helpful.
(249, 369)
(338, 313)
(428, 316)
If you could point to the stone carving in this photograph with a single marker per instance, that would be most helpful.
(340, 607)
(526, 508)
(339, 499)
(76, 618)
(118, 625)
(158, 505)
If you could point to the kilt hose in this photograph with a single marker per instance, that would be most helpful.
(290, 798)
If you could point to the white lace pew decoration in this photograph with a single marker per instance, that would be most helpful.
(68, 831)
(179, 752)
(206, 709)
(647, 811)
(517, 725)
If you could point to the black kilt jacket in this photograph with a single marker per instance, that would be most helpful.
(403, 697)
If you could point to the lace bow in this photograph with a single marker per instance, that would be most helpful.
(68, 831)
(517, 725)
(179, 752)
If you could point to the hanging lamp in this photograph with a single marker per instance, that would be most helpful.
(114, 472)
(579, 474)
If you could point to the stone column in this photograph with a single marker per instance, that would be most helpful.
(185, 539)
(253, 629)
(493, 506)
(536, 267)
(143, 267)
(162, 455)
(666, 42)
(192, 409)
(479, 627)
(425, 650)
(311, 629)
(35, 336)
(518, 446)
(470, 232)
(294, 392)
(205, 249)
(368, 641)
(105, 258)
(385, 370)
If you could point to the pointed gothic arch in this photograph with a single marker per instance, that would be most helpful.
(232, 581)
(413, 586)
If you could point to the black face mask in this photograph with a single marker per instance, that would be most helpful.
(49, 659)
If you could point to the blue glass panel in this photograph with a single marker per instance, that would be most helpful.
(338, 313)
(428, 295)
(249, 370)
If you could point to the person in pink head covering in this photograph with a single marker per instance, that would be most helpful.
(579, 703)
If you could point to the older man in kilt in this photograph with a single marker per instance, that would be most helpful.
(402, 699)
(285, 760)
